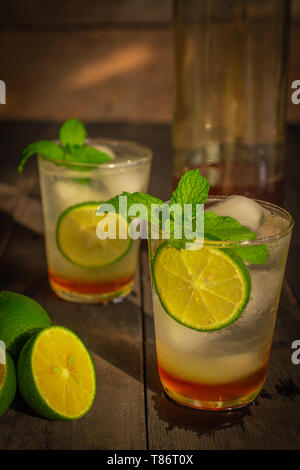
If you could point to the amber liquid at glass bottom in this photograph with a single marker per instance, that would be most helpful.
(226, 369)
(105, 290)
(205, 396)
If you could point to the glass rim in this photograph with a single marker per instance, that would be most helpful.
(140, 159)
(258, 241)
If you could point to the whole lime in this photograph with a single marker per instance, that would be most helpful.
(20, 317)
(8, 384)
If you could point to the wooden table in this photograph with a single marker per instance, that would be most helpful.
(131, 411)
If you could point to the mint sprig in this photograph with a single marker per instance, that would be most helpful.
(72, 148)
(192, 189)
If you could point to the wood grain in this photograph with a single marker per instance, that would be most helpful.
(108, 75)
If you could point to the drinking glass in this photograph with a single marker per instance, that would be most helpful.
(85, 186)
(225, 368)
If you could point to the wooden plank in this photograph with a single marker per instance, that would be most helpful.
(15, 204)
(99, 75)
(102, 75)
(12, 203)
(85, 13)
(296, 10)
(102, 429)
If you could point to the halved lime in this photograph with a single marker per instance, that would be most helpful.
(77, 240)
(56, 374)
(205, 289)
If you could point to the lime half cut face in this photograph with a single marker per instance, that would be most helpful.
(205, 289)
(77, 240)
(56, 374)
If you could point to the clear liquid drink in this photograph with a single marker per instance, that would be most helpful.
(82, 186)
(225, 368)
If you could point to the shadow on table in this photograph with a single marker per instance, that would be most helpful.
(20, 406)
(199, 421)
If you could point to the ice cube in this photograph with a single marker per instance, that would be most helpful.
(258, 318)
(272, 225)
(107, 150)
(130, 180)
(69, 193)
(243, 209)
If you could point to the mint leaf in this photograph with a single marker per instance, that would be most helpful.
(45, 147)
(87, 154)
(255, 254)
(72, 133)
(226, 228)
(217, 227)
(192, 189)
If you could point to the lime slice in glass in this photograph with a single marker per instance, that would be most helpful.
(204, 289)
(77, 240)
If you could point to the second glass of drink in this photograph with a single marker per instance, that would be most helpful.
(83, 268)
